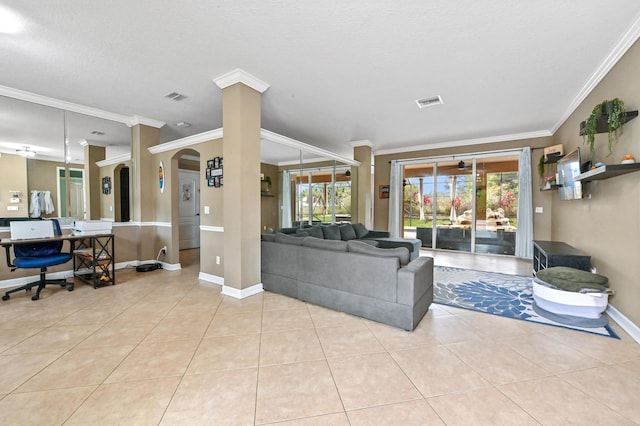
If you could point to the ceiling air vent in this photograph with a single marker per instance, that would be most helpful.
(183, 124)
(175, 96)
(427, 102)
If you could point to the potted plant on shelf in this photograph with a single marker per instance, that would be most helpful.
(614, 111)
(266, 189)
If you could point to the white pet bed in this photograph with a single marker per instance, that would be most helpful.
(588, 304)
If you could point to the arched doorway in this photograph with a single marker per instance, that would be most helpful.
(122, 194)
(187, 198)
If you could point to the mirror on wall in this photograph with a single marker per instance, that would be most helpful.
(311, 188)
(53, 143)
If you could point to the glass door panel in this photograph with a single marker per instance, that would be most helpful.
(454, 187)
(496, 205)
(418, 203)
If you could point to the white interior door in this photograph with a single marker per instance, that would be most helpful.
(189, 205)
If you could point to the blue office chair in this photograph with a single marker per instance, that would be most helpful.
(39, 255)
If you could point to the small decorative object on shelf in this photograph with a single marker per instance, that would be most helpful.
(266, 185)
(628, 159)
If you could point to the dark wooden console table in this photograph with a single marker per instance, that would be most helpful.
(93, 258)
(554, 253)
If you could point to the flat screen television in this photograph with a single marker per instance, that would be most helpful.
(568, 168)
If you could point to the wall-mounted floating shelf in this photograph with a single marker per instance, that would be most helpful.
(607, 171)
(603, 127)
(550, 187)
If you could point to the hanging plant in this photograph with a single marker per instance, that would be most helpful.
(616, 118)
(541, 167)
(614, 111)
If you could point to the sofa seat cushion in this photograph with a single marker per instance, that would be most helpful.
(402, 253)
(347, 232)
(288, 239)
(571, 279)
(413, 245)
(322, 244)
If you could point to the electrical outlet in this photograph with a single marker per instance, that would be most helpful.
(217, 260)
(164, 249)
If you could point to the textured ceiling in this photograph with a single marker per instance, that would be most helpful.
(338, 71)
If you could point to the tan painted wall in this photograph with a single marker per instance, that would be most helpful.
(607, 225)
(13, 177)
(211, 242)
(383, 170)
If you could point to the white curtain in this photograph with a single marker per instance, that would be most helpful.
(395, 199)
(524, 234)
(286, 199)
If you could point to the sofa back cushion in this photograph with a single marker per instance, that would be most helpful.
(331, 232)
(288, 239)
(347, 232)
(322, 244)
(360, 229)
(315, 231)
(402, 253)
(268, 237)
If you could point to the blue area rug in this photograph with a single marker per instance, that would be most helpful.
(495, 293)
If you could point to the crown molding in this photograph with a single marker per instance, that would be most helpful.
(292, 143)
(364, 142)
(136, 119)
(618, 51)
(240, 76)
(72, 107)
(188, 141)
(467, 142)
(114, 160)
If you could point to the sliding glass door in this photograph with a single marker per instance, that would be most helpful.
(470, 202)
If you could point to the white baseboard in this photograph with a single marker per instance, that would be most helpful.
(17, 282)
(625, 323)
(211, 278)
(241, 294)
(171, 266)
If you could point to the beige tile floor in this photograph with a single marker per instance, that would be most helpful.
(164, 348)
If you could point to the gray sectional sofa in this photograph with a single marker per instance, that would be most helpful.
(357, 231)
(382, 285)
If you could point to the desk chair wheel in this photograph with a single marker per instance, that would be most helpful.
(5, 297)
(70, 287)
(35, 297)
